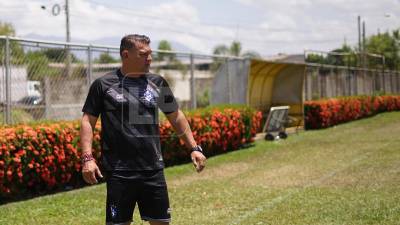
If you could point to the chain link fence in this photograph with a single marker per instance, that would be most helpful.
(332, 74)
(327, 81)
(42, 80)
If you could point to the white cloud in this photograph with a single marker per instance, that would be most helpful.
(180, 10)
(321, 24)
(284, 26)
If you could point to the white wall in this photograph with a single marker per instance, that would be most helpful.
(19, 83)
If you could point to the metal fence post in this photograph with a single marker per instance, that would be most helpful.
(305, 84)
(47, 96)
(89, 70)
(8, 83)
(383, 88)
(398, 82)
(228, 77)
(337, 82)
(319, 83)
(355, 84)
(192, 83)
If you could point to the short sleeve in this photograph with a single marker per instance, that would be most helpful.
(167, 101)
(94, 101)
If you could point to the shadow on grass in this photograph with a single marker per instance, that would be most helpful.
(75, 183)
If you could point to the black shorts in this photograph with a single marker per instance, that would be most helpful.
(146, 188)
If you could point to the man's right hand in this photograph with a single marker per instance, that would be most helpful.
(89, 171)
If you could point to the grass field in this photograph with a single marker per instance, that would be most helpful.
(349, 174)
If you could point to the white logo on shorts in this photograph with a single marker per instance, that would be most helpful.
(113, 209)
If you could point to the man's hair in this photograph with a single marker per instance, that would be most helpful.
(129, 41)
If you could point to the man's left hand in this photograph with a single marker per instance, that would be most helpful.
(199, 160)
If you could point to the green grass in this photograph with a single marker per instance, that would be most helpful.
(17, 115)
(349, 174)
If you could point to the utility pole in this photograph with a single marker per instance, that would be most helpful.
(363, 36)
(359, 32)
(364, 55)
(55, 10)
(68, 39)
(364, 61)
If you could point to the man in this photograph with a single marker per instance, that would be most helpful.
(128, 100)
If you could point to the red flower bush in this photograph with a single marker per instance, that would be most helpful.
(45, 157)
(214, 129)
(326, 113)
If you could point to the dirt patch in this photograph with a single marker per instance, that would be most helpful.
(366, 178)
(213, 173)
(285, 176)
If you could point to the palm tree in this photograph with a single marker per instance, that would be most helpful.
(235, 49)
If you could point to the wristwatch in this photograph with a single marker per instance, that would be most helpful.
(197, 148)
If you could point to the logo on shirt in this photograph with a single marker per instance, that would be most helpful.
(119, 97)
(116, 96)
(148, 98)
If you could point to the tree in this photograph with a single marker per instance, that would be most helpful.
(315, 58)
(386, 44)
(105, 58)
(235, 49)
(221, 50)
(172, 62)
(59, 55)
(7, 29)
(38, 65)
(16, 50)
(344, 56)
(164, 45)
(251, 55)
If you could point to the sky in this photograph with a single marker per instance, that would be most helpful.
(268, 27)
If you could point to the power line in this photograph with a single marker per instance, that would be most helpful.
(226, 25)
(202, 36)
(206, 37)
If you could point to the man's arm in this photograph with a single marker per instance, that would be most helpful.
(90, 168)
(182, 128)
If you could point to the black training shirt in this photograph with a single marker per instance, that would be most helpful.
(128, 108)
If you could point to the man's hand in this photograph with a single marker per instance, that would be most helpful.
(89, 171)
(199, 160)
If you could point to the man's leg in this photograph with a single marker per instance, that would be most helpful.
(153, 200)
(121, 200)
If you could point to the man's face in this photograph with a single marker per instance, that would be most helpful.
(140, 58)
